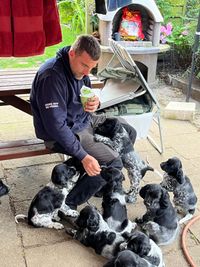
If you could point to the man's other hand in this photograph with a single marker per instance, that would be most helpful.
(92, 104)
(91, 165)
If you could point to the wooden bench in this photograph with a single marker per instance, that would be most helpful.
(22, 148)
(15, 85)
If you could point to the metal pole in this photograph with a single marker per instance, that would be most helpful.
(195, 48)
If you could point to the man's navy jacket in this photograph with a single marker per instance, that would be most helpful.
(55, 101)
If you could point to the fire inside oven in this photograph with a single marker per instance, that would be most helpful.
(133, 23)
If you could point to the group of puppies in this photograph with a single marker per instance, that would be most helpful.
(110, 233)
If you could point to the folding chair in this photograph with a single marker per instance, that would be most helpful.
(125, 84)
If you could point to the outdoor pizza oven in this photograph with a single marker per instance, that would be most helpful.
(144, 50)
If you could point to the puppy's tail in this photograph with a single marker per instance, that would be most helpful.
(20, 216)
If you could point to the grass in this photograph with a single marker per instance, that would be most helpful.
(36, 61)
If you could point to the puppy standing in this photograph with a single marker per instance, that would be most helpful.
(160, 222)
(112, 133)
(174, 180)
(45, 206)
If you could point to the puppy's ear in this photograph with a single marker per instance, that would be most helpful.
(144, 190)
(164, 199)
(180, 176)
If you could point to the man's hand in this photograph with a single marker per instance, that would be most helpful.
(91, 165)
(92, 104)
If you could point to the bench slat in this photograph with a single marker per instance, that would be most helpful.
(19, 143)
(24, 151)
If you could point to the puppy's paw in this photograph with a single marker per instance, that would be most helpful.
(122, 246)
(73, 213)
(151, 227)
(57, 226)
(131, 198)
(134, 225)
(56, 218)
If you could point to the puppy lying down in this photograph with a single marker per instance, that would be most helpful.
(44, 208)
(144, 247)
(112, 133)
(160, 221)
(92, 231)
(174, 180)
(127, 258)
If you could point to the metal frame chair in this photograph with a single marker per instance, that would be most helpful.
(129, 65)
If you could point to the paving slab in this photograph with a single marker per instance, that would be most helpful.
(11, 250)
(33, 247)
(68, 253)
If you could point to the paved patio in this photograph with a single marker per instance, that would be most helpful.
(25, 246)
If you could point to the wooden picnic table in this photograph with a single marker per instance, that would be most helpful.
(15, 83)
(15, 86)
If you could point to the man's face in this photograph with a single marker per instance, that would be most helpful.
(81, 64)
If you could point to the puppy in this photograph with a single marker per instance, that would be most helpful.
(160, 222)
(105, 243)
(44, 208)
(114, 202)
(3, 189)
(91, 219)
(112, 133)
(128, 258)
(143, 246)
(174, 180)
(91, 230)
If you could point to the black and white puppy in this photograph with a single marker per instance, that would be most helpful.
(44, 208)
(127, 258)
(114, 202)
(105, 243)
(112, 133)
(91, 230)
(160, 222)
(142, 245)
(174, 180)
(91, 219)
(3, 189)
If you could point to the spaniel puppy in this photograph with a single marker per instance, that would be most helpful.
(91, 219)
(105, 243)
(114, 202)
(160, 222)
(128, 258)
(174, 180)
(44, 208)
(112, 133)
(3, 189)
(144, 247)
(91, 230)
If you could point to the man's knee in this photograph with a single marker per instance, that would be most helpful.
(115, 163)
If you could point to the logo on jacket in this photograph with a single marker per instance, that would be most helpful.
(51, 105)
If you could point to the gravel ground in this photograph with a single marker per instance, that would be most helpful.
(166, 93)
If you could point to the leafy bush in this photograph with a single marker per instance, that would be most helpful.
(181, 35)
(72, 14)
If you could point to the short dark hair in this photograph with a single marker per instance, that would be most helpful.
(89, 44)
